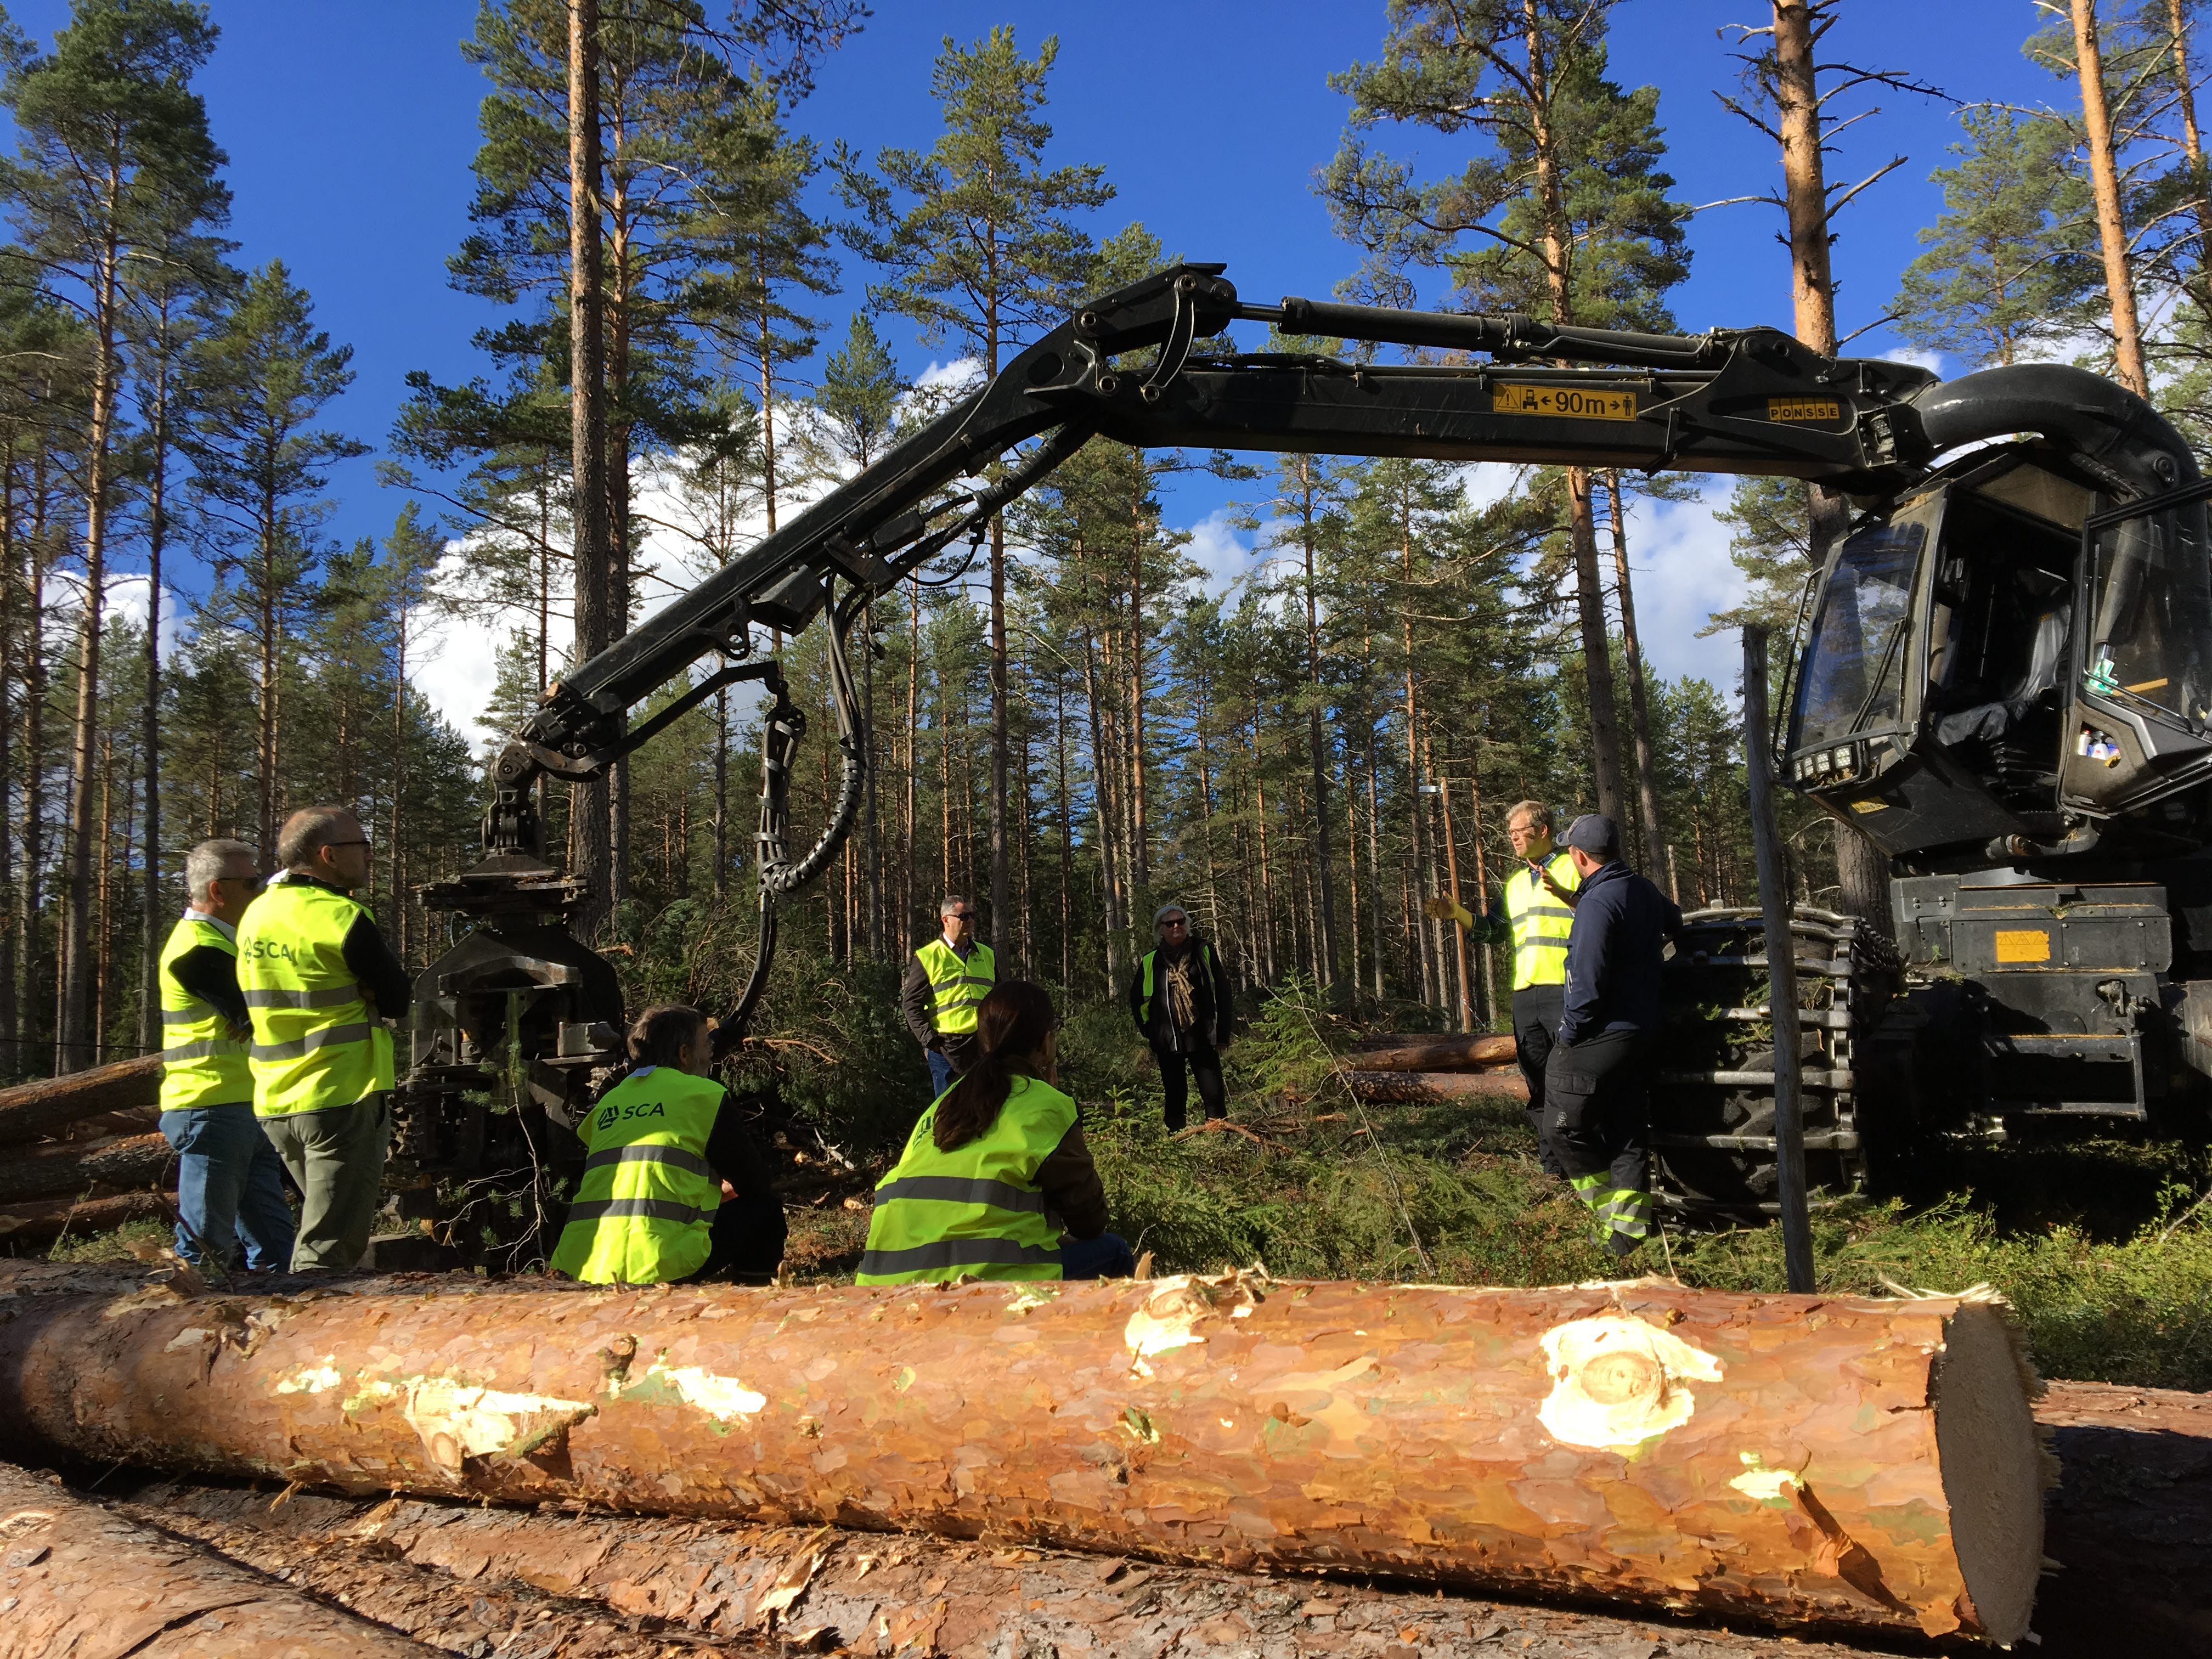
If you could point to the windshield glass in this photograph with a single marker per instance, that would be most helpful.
(2154, 612)
(1854, 672)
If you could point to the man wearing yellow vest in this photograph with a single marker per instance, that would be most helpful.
(230, 1186)
(945, 981)
(319, 983)
(1539, 913)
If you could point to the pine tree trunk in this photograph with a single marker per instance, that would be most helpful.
(153, 912)
(76, 1035)
(2192, 144)
(1862, 871)
(12, 1054)
(1640, 698)
(1318, 753)
(2105, 186)
(33, 838)
(1788, 1458)
(590, 841)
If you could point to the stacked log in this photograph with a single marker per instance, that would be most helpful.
(77, 1579)
(1422, 1068)
(82, 1183)
(1845, 1460)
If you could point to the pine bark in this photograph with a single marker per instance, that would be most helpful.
(2104, 186)
(29, 1110)
(1862, 871)
(1780, 1458)
(1640, 698)
(2192, 142)
(590, 841)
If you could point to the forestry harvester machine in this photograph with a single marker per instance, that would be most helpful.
(2004, 680)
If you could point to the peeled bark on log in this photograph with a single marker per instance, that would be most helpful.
(1418, 1053)
(78, 1580)
(1429, 1087)
(46, 1219)
(1863, 1463)
(867, 1593)
(72, 1167)
(30, 1111)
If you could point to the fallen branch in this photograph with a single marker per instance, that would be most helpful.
(1429, 1087)
(46, 1220)
(1395, 1052)
(74, 1166)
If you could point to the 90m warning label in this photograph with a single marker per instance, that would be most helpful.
(1571, 402)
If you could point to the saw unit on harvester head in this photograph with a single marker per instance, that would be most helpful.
(2001, 680)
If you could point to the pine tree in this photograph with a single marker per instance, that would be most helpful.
(260, 381)
(2008, 266)
(114, 157)
(979, 243)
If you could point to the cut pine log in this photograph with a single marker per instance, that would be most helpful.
(75, 1167)
(1865, 1462)
(1428, 1088)
(1419, 1052)
(46, 1219)
(76, 1579)
(31, 1111)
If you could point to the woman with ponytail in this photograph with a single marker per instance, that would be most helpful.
(995, 1168)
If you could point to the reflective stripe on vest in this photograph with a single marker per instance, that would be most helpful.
(644, 1206)
(316, 1045)
(1205, 963)
(957, 984)
(201, 1063)
(975, 1210)
(1540, 923)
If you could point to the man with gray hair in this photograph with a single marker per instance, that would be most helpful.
(945, 981)
(321, 982)
(230, 1185)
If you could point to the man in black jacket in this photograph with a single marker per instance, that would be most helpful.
(1182, 1002)
(1594, 1082)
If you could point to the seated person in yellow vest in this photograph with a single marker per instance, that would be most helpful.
(230, 1186)
(319, 983)
(1538, 914)
(945, 981)
(1183, 1005)
(674, 1190)
(995, 1168)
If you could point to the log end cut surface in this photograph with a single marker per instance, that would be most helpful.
(1994, 1469)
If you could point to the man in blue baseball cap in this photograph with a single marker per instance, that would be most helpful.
(1593, 1082)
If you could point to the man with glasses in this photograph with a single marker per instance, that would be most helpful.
(1539, 913)
(319, 983)
(230, 1186)
(945, 981)
(1184, 1003)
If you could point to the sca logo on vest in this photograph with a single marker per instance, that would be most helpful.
(608, 1115)
(261, 950)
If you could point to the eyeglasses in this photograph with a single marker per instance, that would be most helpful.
(363, 842)
(960, 915)
(254, 882)
(1175, 921)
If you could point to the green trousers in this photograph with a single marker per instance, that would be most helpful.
(336, 1157)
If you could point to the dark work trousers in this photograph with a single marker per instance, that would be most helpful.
(745, 1243)
(1205, 1065)
(1597, 1093)
(1536, 1013)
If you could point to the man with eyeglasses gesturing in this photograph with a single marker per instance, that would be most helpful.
(319, 983)
(946, 982)
(230, 1184)
(1184, 1004)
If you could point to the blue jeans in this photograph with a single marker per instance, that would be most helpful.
(230, 1187)
(1107, 1256)
(940, 1072)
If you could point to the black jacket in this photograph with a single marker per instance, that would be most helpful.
(1214, 1004)
(1622, 923)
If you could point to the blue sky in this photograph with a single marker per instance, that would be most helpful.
(350, 125)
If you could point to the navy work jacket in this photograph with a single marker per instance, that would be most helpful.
(1621, 924)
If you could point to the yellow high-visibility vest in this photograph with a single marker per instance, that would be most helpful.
(976, 1211)
(316, 1045)
(201, 1063)
(1540, 923)
(957, 984)
(644, 1211)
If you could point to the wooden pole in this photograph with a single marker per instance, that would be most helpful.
(1868, 1462)
(1781, 966)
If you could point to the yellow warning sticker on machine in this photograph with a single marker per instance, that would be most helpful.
(2023, 944)
(1573, 401)
(1803, 409)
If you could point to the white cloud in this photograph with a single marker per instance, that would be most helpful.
(1680, 572)
(126, 602)
(1220, 551)
(1931, 360)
